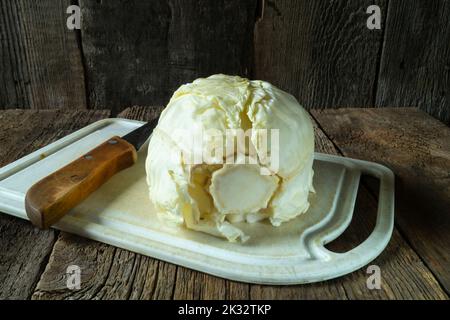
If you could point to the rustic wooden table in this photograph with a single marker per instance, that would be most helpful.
(416, 263)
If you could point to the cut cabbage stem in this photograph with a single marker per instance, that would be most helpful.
(241, 189)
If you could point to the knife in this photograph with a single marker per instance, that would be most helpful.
(51, 198)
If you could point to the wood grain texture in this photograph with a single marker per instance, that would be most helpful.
(109, 272)
(49, 199)
(106, 272)
(40, 60)
(415, 65)
(320, 51)
(139, 52)
(24, 250)
(417, 148)
(210, 37)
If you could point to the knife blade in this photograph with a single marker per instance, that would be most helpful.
(49, 199)
(138, 136)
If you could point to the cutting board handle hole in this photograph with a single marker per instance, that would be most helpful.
(364, 217)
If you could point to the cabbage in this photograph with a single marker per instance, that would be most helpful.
(192, 183)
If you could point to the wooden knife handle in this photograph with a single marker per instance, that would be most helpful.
(51, 198)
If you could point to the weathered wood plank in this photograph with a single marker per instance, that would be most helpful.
(415, 64)
(106, 272)
(24, 250)
(417, 148)
(210, 37)
(194, 285)
(40, 60)
(139, 52)
(320, 51)
(404, 276)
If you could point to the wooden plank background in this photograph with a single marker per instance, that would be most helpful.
(137, 52)
(40, 61)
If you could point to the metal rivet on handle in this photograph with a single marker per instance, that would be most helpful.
(75, 178)
(112, 141)
(88, 157)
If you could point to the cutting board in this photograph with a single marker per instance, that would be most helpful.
(121, 213)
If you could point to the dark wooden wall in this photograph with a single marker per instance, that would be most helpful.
(137, 52)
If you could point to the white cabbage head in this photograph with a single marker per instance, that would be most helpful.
(193, 184)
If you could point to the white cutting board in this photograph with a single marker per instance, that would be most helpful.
(120, 213)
